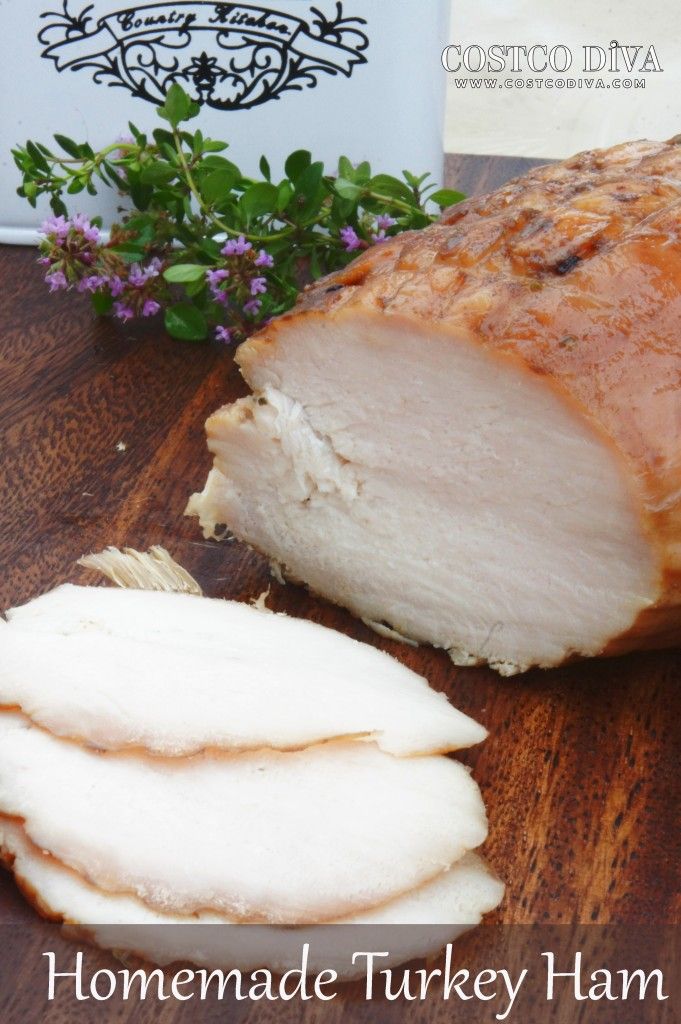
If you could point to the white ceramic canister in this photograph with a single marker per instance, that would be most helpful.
(361, 78)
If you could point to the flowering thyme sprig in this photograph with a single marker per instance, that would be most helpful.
(74, 256)
(214, 249)
(236, 286)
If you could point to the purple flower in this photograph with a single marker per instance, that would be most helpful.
(258, 286)
(56, 280)
(150, 307)
(214, 277)
(223, 334)
(384, 221)
(136, 276)
(90, 283)
(44, 261)
(236, 247)
(263, 259)
(116, 286)
(380, 237)
(123, 312)
(82, 224)
(252, 306)
(58, 226)
(349, 238)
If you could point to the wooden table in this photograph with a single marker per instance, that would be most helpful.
(580, 773)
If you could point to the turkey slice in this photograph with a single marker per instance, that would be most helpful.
(175, 673)
(428, 917)
(281, 837)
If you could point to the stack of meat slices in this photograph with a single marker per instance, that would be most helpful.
(166, 758)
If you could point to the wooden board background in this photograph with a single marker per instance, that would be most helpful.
(580, 773)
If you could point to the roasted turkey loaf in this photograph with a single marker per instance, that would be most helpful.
(471, 433)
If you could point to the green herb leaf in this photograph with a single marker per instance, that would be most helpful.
(162, 137)
(68, 145)
(284, 196)
(347, 189)
(180, 273)
(129, 252)
(210, 248)
(215, 162)
(102, 303)
(412, 180)
(158, 173)
(197, 143)
(186, 322)
(446, 197)
(37, 157)
(345, 168)
(258, 199)
(213, 146)
(140, 193)
(296, 163)
(111, 176)
(310, 192)
(144, 228)
(218, 184)
(58, 206)
(178, 106)
(362, 172)
(393, 188)
(196, 289)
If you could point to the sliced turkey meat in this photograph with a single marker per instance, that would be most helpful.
(279, 837)
(429, 916)
(471, 434)
(175, 673)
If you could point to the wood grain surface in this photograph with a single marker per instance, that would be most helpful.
(101, 433)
